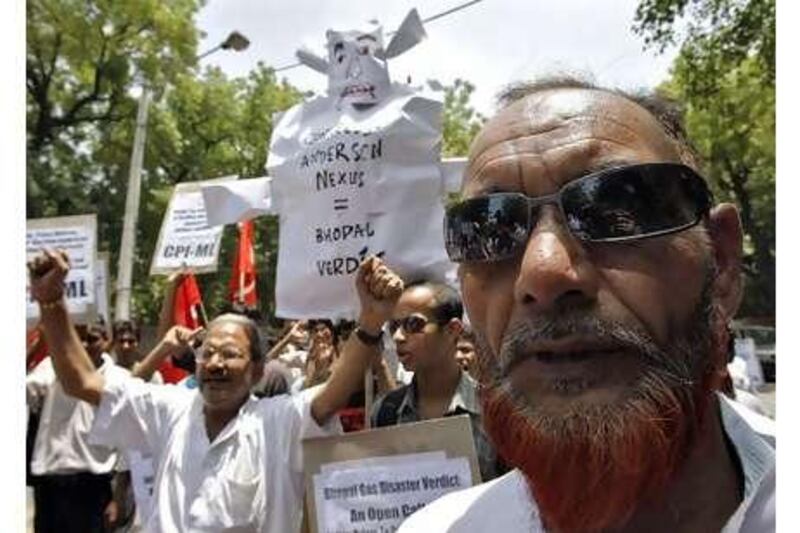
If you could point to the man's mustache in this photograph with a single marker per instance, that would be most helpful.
(523, 338)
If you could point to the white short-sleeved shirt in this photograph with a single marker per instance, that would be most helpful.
(505, 504)
(61, 445)
(249, 479)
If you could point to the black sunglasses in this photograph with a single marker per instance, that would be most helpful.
(614, 205)
(410, 324)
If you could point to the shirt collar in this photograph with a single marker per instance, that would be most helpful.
(751, 436)
(465, 398)
(232, 428)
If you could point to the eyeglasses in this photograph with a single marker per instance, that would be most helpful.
(226, 353)
(410, 324)
(615, 205)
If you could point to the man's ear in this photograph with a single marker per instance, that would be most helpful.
(725, 230)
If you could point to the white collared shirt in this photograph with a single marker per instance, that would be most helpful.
(505, 504)
(250, 478)
(61, 445)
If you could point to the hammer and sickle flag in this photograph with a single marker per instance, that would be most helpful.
(242, 285)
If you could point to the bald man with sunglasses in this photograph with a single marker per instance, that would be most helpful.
(426, 326)
(599, 279)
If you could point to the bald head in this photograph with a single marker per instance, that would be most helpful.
(573, 130)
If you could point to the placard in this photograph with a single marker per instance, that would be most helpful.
(373, 480)
(185, 239)
(349, 182)
(77, 235)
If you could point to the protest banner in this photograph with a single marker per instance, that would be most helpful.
(77, 235)
(186, 240)
(357, 172)
(373, 480)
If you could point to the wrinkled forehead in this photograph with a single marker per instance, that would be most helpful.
(561, 134)
(222, 331)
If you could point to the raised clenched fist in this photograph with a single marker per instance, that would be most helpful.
(47, 272)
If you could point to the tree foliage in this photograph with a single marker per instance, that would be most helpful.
(84, 62)
(724, 76)
(82, 59)
(460, 121)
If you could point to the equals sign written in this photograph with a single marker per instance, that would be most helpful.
(340, 204)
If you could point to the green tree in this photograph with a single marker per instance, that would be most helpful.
(82, 59)
(205, 127)
(724, 76)
(460, 121)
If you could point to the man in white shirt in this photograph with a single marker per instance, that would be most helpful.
(224, 460)
(72, 487)
(599, 281)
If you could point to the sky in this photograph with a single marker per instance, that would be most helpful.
(490, 44)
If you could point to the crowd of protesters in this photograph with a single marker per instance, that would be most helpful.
(599, 341)
(81, 485)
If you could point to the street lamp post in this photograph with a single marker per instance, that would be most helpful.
(122, 311)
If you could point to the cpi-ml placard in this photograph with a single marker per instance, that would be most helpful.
(186, 240)
(77, 235)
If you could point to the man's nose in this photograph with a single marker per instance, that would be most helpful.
(213, 361)
(555, 269)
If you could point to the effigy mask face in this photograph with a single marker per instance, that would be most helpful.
(355, 74)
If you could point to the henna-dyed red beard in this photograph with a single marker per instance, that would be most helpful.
(589, 468)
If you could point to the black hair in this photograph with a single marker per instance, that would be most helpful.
(250, 329)
(98, 326)
(127, 326)
(667, 111)
(314, 322)
(446, 300)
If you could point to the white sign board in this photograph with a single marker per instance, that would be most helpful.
(348, 182)
(381, 492)
(186, 240)
(745, 351)
(372, 480)
(77, 235)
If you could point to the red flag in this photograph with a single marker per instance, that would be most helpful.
(187, 310)
(188, 303)
(242, 285)
(35, 335)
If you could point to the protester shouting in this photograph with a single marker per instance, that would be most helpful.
(225, 461)
(600, 281)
